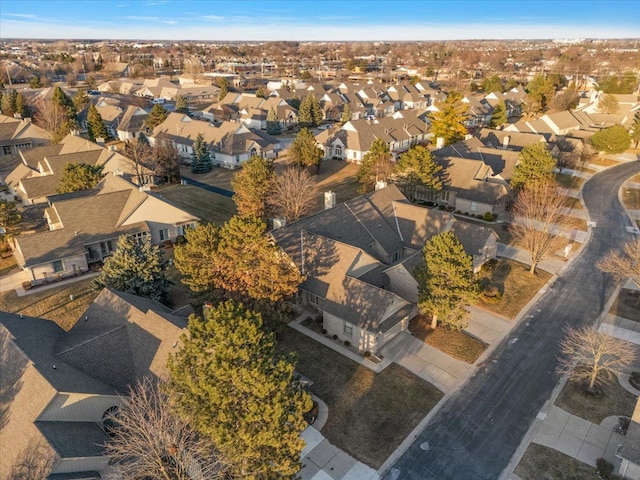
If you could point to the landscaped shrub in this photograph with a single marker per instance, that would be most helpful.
(167, 244)
(458, 212)
(335, 337)
(180, 240)
(347, 343)
(489, 217)
(491, 291)
(604, 467)
(367, 354)
(324, 331)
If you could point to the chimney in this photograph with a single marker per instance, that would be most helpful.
(279, 222)
(505, 142)
(100, 141)
(380, 184)
(329, 200)
(439, 142)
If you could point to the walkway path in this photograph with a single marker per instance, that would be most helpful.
(551, 264)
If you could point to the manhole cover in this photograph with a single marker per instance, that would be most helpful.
(424, 446)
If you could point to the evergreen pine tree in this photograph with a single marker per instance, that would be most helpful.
(224, 88)
(304, 150)
(136, 267)
(157, 115)
(200, 158)
(310, 112)
(499, 116)
(181, 105)
(416, 168)
(273, 123)
(229, 378)
(252, 185)
(80, 100)
(448, 122)
(635, 129)
(95, 126)
(8, 105)
(612, 140)
(21, 106)
(346, 114)
(376, 165)
(535, 163)
(446, 283)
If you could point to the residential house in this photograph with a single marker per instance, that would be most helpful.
(38, 174)
(513, 101)
(251, 110)
(629, 451)
(20, 134)
(132, 123)
(352, 140)
(230, 143)
(63, 385)
(516, 141)
(478, 113)
(84, 228)
(350, 255)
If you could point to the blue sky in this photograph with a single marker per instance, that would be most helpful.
(318, 20)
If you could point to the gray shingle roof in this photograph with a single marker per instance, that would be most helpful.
(74, 439)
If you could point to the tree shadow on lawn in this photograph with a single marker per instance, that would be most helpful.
(370, 413)
(627, 305)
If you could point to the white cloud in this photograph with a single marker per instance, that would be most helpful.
(20, 15)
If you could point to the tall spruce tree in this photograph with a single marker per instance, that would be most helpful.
(535, 163)
(95, 125)
(136, 267)
(224, 88)
(499, 116)
(416, 169)
(376, 165)
(200, 158)
(612, 140)
(310, 112)
(304, 151)
(252, 185)
(273, 123)
(346, 114)
(181, 104)
(448, 122)
(445, 282)
(79, 176)
(22, 108)
(157, 115)
(229, 379)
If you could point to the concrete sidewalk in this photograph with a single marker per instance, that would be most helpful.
(441, 370)
(487, 326)
(551, 264)
(13, 281)
(577, 437)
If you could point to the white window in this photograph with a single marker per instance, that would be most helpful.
(313, 299)
(338, 151)
(140, 236)
(444, 196)
(348, 329)
(164, 234)
(474, 207)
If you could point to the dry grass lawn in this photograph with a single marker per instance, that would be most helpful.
(208, 206)
(614, 400)
(452, 342)
(604, 162)
(218, 176)
(573, 203)
(540, 462)
(369, 414)
(515, 284)
(569, 181)
(627, 305)
(631, 198)
(7, 264)
(53, 304)
(573, 222)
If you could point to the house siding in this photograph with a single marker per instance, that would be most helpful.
(361, 339)
(37, 272)
(478, 208)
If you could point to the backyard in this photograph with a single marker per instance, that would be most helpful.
(53, 304)
(370, 414)
(208, 206)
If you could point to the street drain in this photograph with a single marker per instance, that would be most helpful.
(424, 446)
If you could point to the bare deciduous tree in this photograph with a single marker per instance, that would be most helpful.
(52, 118)
(139, 152)
(593, 357)
(294, 194)
(151, 441)
(536, 213)
(624, 264)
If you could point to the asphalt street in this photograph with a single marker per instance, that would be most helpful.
(476, 432)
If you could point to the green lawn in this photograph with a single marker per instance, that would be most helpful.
(540, 462)
(370, 414)
(515, 284)
(614, 400)
(208, 206)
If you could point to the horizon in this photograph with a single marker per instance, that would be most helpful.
(295, 20)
